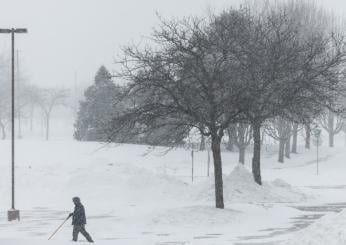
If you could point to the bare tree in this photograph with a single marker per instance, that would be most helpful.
(30, 96)
(280, 130)
(285, 68)
(239, 67)
(48, 100)
(332, 123)
(4, 112)
(190, 78)
(5, 101)
(242, 136)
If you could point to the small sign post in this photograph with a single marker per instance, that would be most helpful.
(317, 141)
(208, 171)
(192, 163)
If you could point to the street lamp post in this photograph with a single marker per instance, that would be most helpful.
(13, 214)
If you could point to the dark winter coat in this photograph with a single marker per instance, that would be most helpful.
(78, 217)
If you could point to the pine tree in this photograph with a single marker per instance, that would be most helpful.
(96, 111)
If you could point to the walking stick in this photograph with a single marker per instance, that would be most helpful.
(58, 228)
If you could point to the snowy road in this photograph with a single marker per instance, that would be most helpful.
(38, 224)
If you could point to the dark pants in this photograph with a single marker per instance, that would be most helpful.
(81, 229)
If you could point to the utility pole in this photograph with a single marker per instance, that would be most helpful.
(18, 98)
(13, 214)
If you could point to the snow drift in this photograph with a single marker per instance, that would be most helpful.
(239, 187)
(330, 229)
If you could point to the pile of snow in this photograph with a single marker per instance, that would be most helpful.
(196, 216)
(126, 183)
(150, 184)
(330, 229)
(239, 187)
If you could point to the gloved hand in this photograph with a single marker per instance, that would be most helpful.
(70, 215)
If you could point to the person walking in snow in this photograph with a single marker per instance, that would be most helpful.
(79, 220)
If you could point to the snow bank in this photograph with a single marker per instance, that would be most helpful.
(126, 183)
(239, 187)
(152, 185)
(330, 229)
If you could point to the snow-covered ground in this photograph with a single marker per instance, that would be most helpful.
(328, 230)
(137, 195)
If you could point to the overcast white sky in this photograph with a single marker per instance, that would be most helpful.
(68, 36)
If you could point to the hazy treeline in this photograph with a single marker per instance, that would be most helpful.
(31, 102)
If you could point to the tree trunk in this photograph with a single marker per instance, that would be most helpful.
(242, 155)
(47, 128)
(295, 138)
(241, 143)
(202, 145)
(331, 128)
(288, 147)
(230, 143)
(256, 160)
(215, 147)
(43, 126)
(281, 150)
(19, 125)
(263, 137)
(331, 139)
(308, 136)
(3, 130)
(31, 118)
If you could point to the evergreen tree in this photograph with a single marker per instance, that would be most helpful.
(97, 109)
